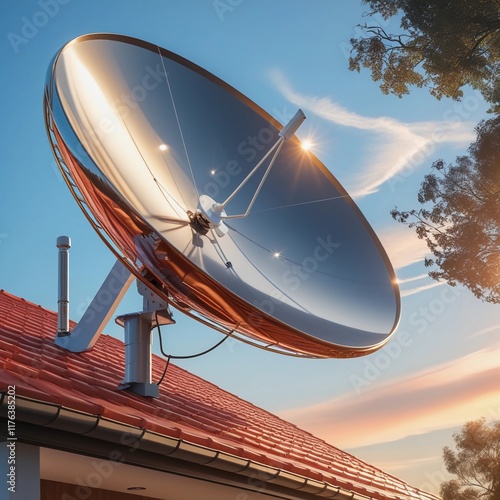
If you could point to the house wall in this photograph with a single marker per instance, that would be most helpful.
(53, 490)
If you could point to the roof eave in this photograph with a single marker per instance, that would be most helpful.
(139, 442)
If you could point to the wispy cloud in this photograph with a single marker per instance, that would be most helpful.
(406, 292)
(440, 397)
(486, 330)
(404, 248)
(402, 245)
(423, 288)
(407, 464)
(413, 278)
(396, 146)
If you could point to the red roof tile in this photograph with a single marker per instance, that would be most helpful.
(189, 408)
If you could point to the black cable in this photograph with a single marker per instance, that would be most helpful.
(164, 372)
(170, 356)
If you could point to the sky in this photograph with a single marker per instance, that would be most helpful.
(396, 408)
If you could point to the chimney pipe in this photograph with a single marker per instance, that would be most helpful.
(64, 244)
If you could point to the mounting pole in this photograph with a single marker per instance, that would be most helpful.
(64, 244)
(98, 313)
(138, 328)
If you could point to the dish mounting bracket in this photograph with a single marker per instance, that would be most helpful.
(138, 326)
(85, 334)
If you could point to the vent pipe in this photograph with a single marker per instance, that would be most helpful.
(64, 244)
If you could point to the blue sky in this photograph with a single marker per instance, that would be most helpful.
(396, 408)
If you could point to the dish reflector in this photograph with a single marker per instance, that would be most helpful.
(153, 148)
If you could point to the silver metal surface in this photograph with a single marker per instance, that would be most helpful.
(138, 328)
(99, 311)
(64, 244)
(142, 134)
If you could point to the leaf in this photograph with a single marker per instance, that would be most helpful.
(460, 216)
(446, 45)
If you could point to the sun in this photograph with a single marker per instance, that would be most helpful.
(306, 145)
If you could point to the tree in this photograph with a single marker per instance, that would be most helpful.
(476, 463)
(443, 44)
(447, 45)
(462, 226)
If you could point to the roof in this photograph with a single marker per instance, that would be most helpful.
(189, 409)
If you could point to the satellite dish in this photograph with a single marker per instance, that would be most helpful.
(172, 167)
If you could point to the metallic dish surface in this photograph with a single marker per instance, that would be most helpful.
(141, 133)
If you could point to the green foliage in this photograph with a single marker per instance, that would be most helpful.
(476, 463)
(462, 225)
(442, 44)
(445, 46)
